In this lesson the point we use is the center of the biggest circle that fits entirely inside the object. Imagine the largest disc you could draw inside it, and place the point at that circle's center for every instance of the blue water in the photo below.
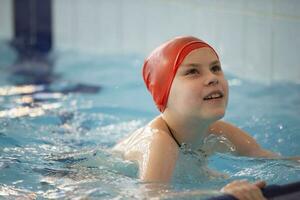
(55, 135)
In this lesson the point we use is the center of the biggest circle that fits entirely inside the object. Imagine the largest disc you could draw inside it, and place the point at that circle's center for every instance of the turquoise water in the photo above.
(55, 138)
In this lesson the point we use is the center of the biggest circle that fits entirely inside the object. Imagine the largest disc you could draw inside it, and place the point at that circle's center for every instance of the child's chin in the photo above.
(221, 116)
(211, 115)
(217, 116)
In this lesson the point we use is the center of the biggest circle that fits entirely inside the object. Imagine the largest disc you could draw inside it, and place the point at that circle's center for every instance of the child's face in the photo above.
(199, 75)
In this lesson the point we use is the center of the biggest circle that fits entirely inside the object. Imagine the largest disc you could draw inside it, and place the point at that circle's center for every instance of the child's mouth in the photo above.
(213, 95)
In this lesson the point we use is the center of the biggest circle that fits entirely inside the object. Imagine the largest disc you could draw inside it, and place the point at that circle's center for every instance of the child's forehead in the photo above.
(199, 65)
(200, 55)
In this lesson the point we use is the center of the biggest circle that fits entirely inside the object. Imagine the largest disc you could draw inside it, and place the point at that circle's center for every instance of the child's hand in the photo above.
(243, 190)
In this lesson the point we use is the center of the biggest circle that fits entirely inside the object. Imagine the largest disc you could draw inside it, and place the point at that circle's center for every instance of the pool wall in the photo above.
(257, 40)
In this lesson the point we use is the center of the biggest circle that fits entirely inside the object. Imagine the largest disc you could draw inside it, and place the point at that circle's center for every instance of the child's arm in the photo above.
(244, 143)
(159, 160)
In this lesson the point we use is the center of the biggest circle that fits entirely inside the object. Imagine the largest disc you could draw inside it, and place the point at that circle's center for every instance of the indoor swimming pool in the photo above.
(58, 123)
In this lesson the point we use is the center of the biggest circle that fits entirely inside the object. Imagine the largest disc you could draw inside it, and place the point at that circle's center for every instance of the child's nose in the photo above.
(211, 80)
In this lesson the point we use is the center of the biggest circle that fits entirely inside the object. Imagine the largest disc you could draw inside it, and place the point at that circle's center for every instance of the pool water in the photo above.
(55, 135)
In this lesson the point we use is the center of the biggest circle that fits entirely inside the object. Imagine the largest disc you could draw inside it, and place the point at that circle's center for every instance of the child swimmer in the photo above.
(188, 86)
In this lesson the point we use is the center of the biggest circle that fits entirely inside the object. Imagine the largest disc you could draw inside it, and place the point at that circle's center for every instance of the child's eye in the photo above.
(216, 68)
(192, 71)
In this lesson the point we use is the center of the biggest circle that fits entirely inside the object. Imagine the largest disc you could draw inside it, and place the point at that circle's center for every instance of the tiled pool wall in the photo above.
(257, 40)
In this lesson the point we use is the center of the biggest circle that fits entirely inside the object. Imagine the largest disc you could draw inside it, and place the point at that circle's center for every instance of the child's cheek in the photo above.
(226, 87)
(193, 95)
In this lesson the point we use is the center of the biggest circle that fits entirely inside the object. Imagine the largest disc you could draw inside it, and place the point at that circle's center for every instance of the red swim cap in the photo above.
(161, 66)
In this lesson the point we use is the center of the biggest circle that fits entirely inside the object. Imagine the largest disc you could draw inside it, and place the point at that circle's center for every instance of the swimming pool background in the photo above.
(254, 38)
(57, 148)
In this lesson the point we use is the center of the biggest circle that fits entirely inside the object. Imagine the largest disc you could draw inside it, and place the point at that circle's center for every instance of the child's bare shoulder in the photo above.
(151, 138)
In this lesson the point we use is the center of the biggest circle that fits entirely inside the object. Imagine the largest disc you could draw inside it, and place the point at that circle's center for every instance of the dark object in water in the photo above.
(275, 192)
(83, 88)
